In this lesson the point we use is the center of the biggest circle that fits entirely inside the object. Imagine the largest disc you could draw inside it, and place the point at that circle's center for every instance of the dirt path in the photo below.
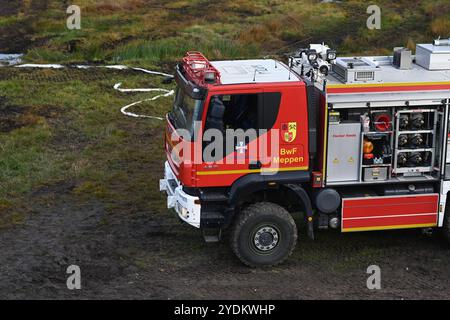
(152, 256)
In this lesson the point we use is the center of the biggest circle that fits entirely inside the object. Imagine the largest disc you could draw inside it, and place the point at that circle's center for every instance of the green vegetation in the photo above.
(66, 128)
(154, 32)
(61, 128)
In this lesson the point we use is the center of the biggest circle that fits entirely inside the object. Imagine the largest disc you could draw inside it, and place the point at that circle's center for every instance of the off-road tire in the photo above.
(256, 217)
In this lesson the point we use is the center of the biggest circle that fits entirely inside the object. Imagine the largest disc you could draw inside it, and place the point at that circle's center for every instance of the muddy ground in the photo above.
(142, 255)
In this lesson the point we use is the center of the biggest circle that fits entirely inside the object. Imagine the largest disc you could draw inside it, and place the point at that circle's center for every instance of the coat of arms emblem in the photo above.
(289, 131)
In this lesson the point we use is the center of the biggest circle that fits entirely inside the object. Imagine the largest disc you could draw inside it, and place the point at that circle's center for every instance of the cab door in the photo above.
(288, 130)
(229, 147)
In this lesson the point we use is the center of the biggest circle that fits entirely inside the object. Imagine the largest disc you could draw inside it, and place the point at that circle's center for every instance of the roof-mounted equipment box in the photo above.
(433, 57)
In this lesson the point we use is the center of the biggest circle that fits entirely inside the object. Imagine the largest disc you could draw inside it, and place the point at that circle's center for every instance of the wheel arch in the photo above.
(253, 183)
(289, 193)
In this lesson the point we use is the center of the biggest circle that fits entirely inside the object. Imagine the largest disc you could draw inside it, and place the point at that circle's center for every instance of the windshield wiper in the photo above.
(184, 116)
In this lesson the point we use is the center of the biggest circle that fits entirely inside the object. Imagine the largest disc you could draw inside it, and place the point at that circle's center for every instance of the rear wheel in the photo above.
(264, 234)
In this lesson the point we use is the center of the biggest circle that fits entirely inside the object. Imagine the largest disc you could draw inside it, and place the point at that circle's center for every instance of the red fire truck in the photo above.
(357, 144)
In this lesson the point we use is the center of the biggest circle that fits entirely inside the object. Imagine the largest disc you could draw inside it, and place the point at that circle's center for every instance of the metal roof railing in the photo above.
(199, 69)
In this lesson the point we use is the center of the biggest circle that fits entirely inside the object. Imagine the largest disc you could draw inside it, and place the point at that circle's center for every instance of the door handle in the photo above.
(255, 165)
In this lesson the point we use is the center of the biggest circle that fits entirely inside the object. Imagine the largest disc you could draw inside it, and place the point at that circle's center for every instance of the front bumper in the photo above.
(185, 205)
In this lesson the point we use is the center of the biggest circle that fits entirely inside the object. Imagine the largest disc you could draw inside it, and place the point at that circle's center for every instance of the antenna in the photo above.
(290, 67)
(254, 75)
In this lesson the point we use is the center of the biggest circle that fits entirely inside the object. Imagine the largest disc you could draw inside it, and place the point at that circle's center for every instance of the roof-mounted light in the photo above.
(331, 55)
(210, 76)
(324, 69)
(312, 56)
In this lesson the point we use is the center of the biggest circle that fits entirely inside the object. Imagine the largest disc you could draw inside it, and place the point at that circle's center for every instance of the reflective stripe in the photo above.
(406, 226)
(205, 173)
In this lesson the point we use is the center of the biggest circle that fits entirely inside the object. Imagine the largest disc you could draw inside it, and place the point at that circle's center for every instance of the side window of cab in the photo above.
(233, 111)
(247, 111)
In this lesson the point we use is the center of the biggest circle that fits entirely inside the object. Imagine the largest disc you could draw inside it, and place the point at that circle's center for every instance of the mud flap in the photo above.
(304, 198)
(310, 226)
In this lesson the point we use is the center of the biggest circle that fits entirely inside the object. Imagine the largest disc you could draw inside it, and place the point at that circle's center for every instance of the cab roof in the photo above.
(253, 71)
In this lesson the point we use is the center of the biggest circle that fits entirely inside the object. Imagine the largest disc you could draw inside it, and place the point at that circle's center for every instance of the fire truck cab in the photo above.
(354, 143)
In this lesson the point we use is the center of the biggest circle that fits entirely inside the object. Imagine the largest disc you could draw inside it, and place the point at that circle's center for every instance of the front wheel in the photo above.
(264, 234)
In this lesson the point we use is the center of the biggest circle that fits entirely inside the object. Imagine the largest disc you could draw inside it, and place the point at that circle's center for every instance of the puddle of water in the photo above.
(10, 59)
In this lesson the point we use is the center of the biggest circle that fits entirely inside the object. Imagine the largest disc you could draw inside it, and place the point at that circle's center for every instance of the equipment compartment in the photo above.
(375, 174)
(415, 141)
(343, 152)
(395, 144)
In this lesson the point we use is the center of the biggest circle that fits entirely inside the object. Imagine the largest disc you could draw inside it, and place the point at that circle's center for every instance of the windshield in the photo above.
(186, 111)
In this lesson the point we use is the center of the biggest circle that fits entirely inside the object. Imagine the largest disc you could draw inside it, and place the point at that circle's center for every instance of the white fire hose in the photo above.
(164, 92)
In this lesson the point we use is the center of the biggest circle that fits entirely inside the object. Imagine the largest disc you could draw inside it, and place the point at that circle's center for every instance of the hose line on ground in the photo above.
(123, 110)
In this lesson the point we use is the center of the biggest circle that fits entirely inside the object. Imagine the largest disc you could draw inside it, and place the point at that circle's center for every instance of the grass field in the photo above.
(63, 129)
(157, 32)
(67, 151)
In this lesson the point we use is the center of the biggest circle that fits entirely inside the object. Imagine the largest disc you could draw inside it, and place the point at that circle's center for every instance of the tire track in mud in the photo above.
(60, 75)
(57, 234)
